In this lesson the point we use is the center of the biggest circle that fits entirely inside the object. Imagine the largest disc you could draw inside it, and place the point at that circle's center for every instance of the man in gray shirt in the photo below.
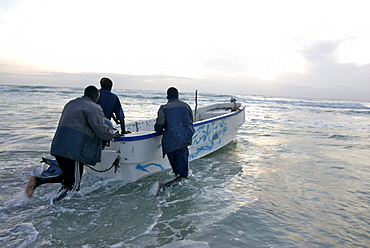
(77, 141)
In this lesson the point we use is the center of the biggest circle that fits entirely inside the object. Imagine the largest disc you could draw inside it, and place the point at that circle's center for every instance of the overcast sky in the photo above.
(293, 48)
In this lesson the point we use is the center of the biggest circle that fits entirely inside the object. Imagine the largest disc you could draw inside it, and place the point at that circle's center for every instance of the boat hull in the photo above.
(140, 153)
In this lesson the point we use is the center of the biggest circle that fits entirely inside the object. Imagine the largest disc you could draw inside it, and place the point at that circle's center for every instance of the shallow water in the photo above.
(297, 175)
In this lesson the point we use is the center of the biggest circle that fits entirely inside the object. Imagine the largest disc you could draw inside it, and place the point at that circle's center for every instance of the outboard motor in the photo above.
(53, 169)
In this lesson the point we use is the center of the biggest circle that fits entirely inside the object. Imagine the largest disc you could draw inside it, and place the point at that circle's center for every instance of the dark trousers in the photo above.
(179, 161)
(71, 177)
(72, 172)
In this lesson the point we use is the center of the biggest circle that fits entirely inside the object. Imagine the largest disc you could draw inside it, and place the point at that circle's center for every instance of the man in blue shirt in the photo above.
(111, 104)
(175, 121)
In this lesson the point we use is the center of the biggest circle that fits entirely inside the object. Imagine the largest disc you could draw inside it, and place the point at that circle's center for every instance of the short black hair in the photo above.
(106, 83)
(91, 91)
(172, 93)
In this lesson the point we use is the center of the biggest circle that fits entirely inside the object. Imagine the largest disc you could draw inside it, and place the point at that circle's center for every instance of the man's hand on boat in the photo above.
(118, 134)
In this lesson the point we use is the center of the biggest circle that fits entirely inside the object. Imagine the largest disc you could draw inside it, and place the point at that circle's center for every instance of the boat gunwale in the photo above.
(196, 124)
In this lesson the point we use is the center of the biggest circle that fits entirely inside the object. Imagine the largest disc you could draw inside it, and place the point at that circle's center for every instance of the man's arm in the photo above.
(123, 127)
(114, 117)
(95, 119)
(160, 121)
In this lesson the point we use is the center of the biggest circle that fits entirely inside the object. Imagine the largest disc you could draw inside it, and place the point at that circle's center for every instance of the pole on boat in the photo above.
(196, 105)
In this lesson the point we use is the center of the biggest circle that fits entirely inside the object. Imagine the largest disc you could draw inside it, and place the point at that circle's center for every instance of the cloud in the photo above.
(121, 81)
(325, 76)
(227, 64)
(9, 5)
(215, 47)
(320, 52)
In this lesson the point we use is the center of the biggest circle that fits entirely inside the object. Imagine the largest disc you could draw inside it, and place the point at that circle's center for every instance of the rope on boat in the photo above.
(114, 164)
(196, 105)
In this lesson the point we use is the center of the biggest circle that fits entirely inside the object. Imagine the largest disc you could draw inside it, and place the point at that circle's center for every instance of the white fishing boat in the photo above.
(139, 153)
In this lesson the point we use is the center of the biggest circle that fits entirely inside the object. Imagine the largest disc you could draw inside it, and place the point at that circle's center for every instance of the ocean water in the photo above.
(296, 175)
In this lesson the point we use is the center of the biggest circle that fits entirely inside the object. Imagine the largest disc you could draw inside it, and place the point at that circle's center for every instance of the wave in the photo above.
(335, 105)
(311, 103)
(39, 88)
(188, 97)
(202, 97)
(340, 137)
(138, 94)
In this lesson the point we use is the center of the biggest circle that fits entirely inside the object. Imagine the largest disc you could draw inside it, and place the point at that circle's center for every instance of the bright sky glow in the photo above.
(254, 44)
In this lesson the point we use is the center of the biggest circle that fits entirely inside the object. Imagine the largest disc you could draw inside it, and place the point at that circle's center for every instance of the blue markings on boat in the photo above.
(143, 167)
